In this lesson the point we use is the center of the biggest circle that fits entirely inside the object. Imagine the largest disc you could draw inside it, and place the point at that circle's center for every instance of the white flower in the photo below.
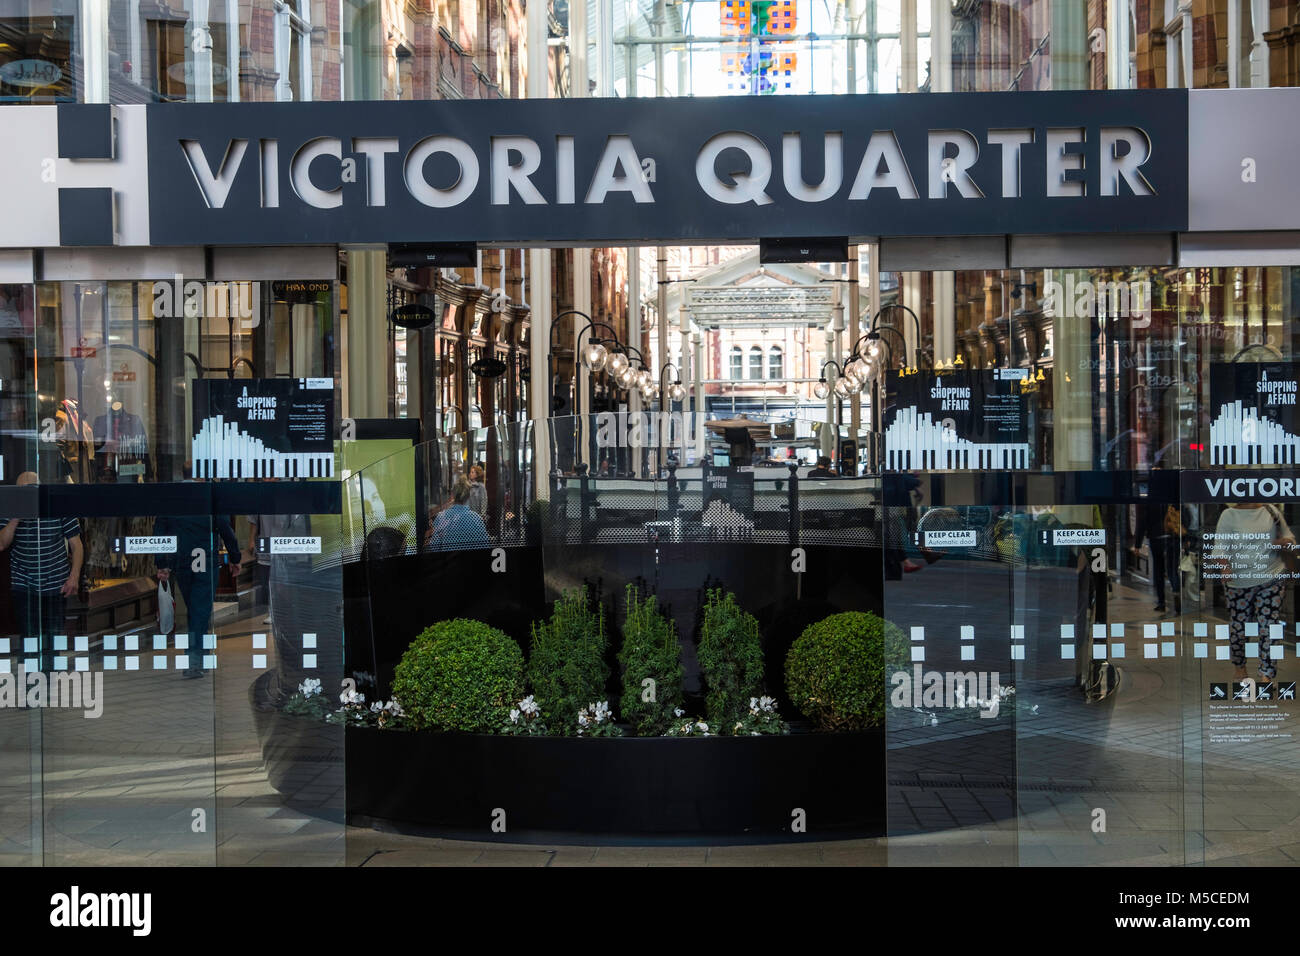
(394, 708)
(310, 687)
(514, 716)
(686, 728)
(753, 703)
(378, 707)
(583, 719)
(738, 726)
(351, 697)
(678, 712)
(528, 706)
(702, 726)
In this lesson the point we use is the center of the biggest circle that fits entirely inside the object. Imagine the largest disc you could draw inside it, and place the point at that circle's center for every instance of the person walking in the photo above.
(1247, 552)
(823, 469)
(193, 569)
(1162, 528)
(478, 498)
(264, 526)
(44, 571)
(457, 527)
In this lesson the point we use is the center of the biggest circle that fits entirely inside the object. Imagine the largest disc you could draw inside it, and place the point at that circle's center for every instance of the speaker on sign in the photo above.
(803, 250)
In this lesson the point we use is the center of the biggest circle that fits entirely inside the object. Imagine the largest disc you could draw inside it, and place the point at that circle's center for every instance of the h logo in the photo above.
(88, 216)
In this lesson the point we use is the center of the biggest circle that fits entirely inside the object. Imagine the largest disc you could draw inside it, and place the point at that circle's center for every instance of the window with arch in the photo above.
(775, 363)
(755, 362)
(737, 362)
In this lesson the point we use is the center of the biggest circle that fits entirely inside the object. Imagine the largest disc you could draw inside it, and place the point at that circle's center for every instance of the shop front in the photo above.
(1075, 408)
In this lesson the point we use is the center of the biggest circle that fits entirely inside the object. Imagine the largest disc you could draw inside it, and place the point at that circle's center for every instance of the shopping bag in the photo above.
(166, 608)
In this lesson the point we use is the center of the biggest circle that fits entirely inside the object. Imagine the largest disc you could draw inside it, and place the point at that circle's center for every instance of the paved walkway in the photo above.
(143, 785)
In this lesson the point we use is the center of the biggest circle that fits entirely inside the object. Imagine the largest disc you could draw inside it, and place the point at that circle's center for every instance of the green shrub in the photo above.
(649, 651)
(567, 668)
(459, 675)
(731, 660)
(835, 672)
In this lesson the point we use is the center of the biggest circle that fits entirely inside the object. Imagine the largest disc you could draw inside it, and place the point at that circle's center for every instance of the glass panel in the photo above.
(39, 44)
(170, 767)
(135, 784)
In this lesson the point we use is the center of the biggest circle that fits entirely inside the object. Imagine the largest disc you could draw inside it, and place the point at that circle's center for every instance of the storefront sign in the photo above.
(263, 428)
(1252, 485)
(565, 172)
(603, 170)
(299, 292)
(488, 367)
(732, 486)
(187, 72)
(1254, 408)
(30, 74)
(956, 421)
(1250, 711)
(413, 316)
(291, 545)
(948, 539)
(1070, 537)
(158, 544)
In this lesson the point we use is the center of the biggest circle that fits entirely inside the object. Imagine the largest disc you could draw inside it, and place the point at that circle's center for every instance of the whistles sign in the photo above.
(610, 170)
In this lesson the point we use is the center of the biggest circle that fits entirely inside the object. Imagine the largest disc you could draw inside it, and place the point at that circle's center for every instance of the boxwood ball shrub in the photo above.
(835, 672)
(459, 675)
(731, 659)
(566, 666)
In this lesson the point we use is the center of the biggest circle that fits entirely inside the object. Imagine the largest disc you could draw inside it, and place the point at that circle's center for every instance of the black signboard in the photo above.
(848, 456)
(731, 485)
(596, 171)
(488, 367)
(300, 292)
(263, 428)
(413, 316)
(1253, 405)
(958, 421)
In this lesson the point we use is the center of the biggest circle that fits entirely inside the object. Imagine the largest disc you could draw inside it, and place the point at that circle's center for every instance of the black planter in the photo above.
(303, 757)
(729, 789)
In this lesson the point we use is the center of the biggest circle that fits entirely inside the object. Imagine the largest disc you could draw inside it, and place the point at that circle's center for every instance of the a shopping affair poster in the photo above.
(263, 428)
(958, 420)
(1254, 413)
